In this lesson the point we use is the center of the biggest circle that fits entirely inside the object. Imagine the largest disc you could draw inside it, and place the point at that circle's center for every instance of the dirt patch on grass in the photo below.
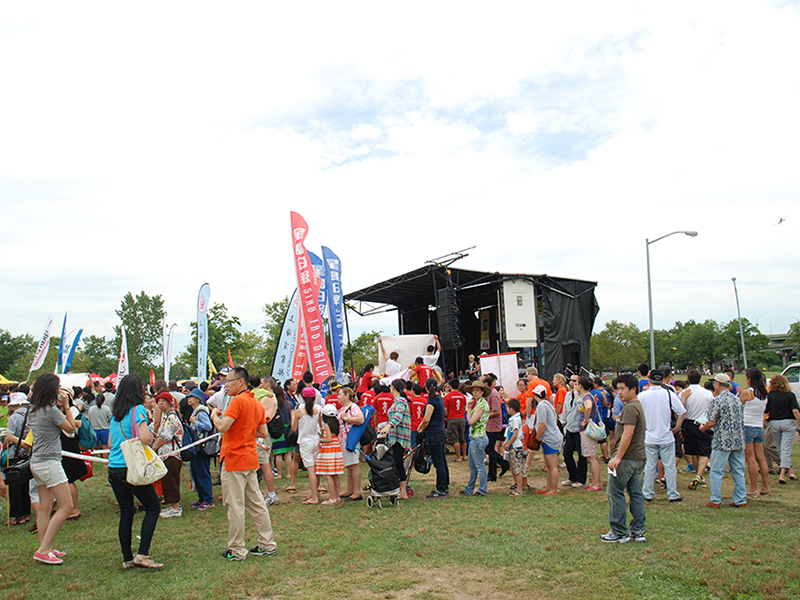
(403, 583)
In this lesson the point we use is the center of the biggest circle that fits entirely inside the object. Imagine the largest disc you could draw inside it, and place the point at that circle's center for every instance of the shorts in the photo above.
(263, 453)
(548, 450)
(308, 453)
(102, 437)
(49, 473)
(517, 459)
(349, 458)
(753, 435)
(695, 442)
(33, 491)
(457, 431)
(610, 424)
(588, 445)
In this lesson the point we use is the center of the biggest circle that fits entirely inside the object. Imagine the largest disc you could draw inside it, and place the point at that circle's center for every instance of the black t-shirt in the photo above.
(780, 406)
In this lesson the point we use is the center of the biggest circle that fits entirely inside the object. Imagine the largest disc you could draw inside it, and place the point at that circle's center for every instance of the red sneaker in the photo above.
(48, 559)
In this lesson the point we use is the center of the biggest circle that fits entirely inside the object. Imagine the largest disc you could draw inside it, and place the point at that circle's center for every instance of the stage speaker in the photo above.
(449, 318)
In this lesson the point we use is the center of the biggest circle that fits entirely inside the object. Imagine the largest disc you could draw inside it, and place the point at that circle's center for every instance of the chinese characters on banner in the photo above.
(308, 285)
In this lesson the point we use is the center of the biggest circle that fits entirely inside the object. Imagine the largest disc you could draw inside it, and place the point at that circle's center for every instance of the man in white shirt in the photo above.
(432, 357)
(659, 402)
(696, 443)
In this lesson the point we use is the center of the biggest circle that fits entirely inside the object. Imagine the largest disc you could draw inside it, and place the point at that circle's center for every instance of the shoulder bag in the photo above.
(144, 465)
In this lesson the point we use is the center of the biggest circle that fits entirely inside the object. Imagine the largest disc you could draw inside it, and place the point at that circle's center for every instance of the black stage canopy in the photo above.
(454, 304)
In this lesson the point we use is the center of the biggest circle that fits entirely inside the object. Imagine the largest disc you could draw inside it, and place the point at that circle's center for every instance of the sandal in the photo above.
(515, 493)
(291, 489)
(127, 564)
(308, 501)
(594, 488)
(322, 490)
(331, 501)
(353, 498)
(147, 563)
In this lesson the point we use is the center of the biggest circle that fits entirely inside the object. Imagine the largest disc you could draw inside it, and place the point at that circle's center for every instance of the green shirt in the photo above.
(479, 429)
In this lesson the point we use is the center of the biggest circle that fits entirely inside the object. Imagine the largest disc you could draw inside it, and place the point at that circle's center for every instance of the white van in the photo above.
(792, 373)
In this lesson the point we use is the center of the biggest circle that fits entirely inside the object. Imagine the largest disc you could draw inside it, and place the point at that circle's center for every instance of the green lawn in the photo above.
(496, 547)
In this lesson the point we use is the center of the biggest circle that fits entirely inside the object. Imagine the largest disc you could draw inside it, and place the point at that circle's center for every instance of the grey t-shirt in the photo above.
(46, 426)
(99, 417)
(545, 413)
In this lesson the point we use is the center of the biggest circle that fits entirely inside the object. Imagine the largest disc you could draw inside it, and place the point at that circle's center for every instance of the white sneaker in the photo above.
(171, 512)
(269, 499)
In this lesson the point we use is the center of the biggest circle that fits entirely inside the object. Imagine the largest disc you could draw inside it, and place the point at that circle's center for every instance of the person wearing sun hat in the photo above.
(477, 416)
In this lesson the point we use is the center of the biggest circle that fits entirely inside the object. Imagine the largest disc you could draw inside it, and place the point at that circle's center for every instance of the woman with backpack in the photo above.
(168, 438)
(200, 465)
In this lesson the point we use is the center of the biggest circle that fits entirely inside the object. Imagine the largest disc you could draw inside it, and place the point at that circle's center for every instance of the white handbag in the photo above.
(144, 465)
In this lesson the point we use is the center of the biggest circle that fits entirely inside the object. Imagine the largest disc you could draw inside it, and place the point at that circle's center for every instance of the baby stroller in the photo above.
(383, 480)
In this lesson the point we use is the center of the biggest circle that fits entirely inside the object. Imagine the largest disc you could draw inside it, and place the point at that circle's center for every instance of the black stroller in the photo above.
(383, 480)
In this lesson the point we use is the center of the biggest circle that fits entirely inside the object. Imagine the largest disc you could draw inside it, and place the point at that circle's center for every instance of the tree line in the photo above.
(620, 347)
(143, 315)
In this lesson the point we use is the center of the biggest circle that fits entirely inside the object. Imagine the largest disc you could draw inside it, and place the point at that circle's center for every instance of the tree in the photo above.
(793, 337)
(698, 343)
(13, 348)
(362, 350)
(19, 370)
(142, 317)
(616, 347)
(730, 339)
(251, 353)
(274, 314)
(223, 335)
(96, 355)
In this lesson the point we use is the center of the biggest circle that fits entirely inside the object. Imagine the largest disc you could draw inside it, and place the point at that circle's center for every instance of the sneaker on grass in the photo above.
(259, 551)
(229, 555)
(614, 538)
(638, 537)
(171, 512)
(49, 559)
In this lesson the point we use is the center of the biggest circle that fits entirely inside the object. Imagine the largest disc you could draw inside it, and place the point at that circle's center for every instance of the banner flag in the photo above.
(333, 279)
(230, 360)
(308, 284)
(122, 368)
(211, 368)
(152, 378)
(287, 342)
(70, 346)
(203, 298)
(44, 345)
(300, 360)
(319, 267)
(59, 365)
(167, 344)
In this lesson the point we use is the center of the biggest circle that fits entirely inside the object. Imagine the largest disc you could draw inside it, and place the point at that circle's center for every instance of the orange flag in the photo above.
(230, 360)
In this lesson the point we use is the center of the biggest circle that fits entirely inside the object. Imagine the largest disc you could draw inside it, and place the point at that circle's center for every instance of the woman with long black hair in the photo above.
(435, 435)
(50, 415)
(755, 401)
(130, 420)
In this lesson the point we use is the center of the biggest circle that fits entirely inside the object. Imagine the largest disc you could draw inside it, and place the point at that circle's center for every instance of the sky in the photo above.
(154, 147)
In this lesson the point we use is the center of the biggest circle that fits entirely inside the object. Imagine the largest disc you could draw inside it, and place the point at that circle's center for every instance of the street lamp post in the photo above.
(741, 329)
(650, 292)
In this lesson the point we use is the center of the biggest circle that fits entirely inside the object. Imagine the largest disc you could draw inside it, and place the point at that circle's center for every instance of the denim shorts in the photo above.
(753, 435)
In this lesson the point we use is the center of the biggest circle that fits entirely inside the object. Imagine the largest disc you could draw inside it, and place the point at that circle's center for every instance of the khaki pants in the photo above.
(240, 492)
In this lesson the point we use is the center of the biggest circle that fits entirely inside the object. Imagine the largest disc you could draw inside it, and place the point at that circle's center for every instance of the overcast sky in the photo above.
(157, 146)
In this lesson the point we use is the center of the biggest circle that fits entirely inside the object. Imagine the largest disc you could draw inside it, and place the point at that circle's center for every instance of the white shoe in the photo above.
(171, 512)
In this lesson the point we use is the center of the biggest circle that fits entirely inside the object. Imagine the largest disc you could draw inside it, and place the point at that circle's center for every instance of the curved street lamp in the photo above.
(650, 292)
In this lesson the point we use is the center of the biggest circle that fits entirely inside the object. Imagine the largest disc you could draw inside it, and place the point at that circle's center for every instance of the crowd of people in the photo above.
(253, 427)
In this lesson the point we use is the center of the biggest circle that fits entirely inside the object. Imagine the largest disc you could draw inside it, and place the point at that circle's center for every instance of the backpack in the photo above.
(87, 438)
(421, 463)
(211, 447)
(189, 437)
(275, 426)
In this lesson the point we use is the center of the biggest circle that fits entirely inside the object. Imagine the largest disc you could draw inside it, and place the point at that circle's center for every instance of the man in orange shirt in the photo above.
(534, 380)
(560, 383)
(244, 420)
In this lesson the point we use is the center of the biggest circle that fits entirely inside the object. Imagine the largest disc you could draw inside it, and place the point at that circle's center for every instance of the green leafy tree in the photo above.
(730, 339)
(95, 354)
(618, 346)
(223, 335)
(362, 350)
(698, 343)
(142, 317)
(13, 348)
(19, 370)
(793, 337)
(274, 314)
(251, 353)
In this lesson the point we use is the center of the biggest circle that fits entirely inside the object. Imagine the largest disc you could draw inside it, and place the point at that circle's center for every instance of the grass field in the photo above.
(494, 547)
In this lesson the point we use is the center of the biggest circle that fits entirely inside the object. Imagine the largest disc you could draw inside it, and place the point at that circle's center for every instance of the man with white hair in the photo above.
(726, 414)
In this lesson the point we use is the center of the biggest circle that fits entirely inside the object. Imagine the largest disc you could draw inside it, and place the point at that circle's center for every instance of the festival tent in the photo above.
(547, 320)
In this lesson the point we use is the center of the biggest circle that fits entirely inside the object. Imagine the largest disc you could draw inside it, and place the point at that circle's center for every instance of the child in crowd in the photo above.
(329, 461)
(515, 448)
(306, 422)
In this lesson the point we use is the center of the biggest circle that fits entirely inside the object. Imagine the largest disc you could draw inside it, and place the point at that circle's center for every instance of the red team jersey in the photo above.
(423, 372)
(382, 403)
(417, 405)
(455, 404)
(366, 398)
(333, 398)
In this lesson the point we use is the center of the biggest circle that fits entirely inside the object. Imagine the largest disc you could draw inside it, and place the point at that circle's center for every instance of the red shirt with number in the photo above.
(417, 406)
(366, 398)
(382, 403)
(423, 372)
(455, 403)
(333, 398)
